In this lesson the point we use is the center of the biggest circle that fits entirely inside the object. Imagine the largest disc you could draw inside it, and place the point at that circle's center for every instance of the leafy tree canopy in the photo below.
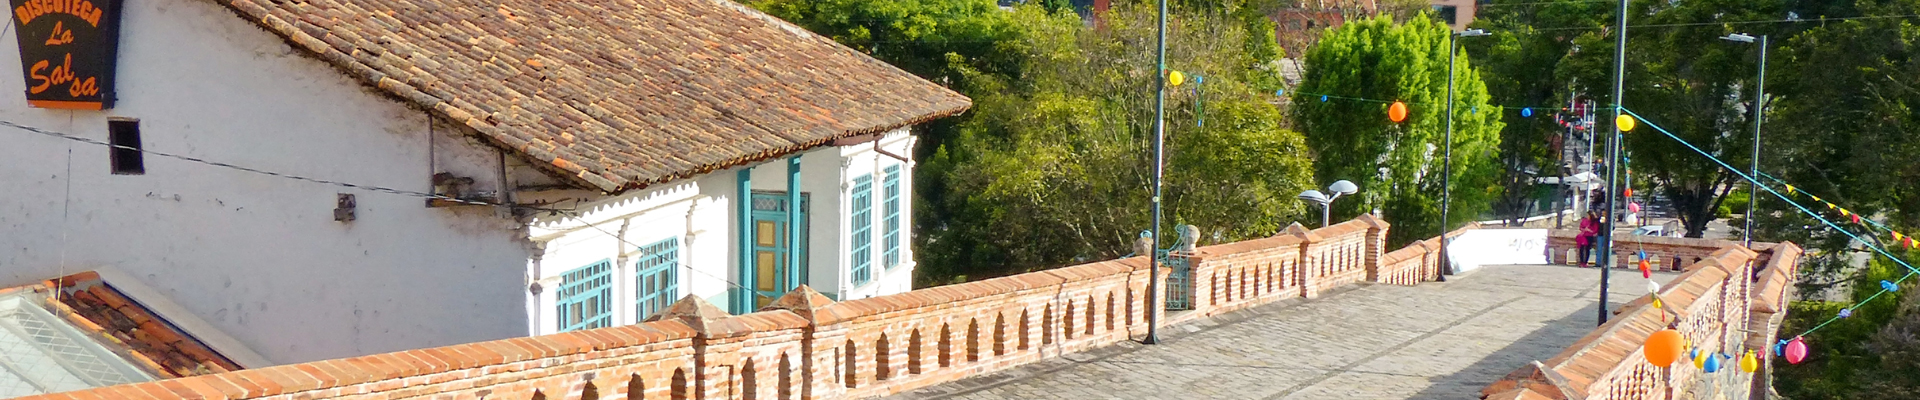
(1398, 165)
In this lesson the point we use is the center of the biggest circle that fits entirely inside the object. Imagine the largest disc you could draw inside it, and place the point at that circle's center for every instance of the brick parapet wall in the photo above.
(805, 346)
(1663, 253)
(1716, 303)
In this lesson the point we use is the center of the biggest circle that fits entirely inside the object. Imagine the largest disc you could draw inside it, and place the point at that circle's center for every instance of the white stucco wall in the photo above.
(701, 211)
(258, 257)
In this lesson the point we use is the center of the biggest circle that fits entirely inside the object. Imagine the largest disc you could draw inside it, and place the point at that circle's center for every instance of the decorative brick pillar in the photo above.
(1376, 244)
(716, 346)
(819, 343)
(1310, 260)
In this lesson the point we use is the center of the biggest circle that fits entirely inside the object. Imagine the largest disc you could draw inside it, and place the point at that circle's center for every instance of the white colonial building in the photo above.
(416, 173)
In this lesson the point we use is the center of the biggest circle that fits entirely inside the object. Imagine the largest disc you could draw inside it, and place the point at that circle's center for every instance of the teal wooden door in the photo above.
(772, 276)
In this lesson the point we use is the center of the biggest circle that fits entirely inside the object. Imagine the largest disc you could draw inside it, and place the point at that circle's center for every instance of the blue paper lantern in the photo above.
(1474, 110)
(1643, 254)
(1323, 98)
(1713, 364)
(1846, 312)
(1889, 286)
(1526, 112)
(1280, 93)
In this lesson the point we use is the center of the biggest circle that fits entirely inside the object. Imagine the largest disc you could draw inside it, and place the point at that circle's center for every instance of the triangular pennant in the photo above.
(1897, 236)
(1789, 189)
(1844, 211)
(1856, 218)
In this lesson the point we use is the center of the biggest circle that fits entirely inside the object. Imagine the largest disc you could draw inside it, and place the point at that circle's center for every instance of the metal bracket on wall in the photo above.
(343, 209)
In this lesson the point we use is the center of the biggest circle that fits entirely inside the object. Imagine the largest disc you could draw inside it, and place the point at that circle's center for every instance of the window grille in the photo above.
(657, 282)
(585, 298)
(862, 229)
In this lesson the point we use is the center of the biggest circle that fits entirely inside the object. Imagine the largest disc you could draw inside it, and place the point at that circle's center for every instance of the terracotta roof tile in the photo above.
(150, 339)
(617, 94)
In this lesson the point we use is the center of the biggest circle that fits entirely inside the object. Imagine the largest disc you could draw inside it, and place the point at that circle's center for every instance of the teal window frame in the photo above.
(656, 279)
(890, 217)
(862, 234)
(585, 297)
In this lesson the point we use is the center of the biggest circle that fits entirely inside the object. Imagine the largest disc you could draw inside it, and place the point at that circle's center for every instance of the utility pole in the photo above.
(1613, 159)
(1759, 97)
(1159, 172)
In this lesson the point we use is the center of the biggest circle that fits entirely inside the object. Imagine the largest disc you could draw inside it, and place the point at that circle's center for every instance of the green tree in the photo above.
(1398, 165)
(1054, 164)
(1518, 62)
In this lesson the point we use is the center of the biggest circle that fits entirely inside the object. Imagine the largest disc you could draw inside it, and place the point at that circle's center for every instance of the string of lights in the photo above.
(1886, 286)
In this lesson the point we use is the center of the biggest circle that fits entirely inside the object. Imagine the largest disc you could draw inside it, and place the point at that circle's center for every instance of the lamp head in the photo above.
(1738, 37)
(1314, 196)
(1472, 33)
(1344, 187)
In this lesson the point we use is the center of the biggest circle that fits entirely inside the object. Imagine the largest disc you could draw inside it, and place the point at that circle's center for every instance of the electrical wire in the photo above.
(1911, 271)
(371, 188)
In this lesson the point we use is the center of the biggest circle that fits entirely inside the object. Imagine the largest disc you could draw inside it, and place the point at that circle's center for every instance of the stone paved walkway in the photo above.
(1432, 341)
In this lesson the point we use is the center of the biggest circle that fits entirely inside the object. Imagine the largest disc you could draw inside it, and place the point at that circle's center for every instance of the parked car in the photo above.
(1656, 230)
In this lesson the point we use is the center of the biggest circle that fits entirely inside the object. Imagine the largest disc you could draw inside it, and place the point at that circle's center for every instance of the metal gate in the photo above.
(1179, 281)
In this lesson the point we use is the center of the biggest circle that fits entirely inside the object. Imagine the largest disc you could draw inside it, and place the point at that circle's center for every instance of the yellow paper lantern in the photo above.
(1175, 78)
(1699, 359)
(1624, 122)
(1748, 362)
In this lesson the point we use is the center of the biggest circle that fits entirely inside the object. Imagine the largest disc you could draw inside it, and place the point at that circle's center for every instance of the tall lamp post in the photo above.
(1446, 174)
(1339, 188)
(1613, 157)
(1759, 97)
(1159, 164)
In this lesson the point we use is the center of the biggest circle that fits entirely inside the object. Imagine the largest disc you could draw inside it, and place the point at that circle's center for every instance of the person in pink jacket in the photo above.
(1589, 227)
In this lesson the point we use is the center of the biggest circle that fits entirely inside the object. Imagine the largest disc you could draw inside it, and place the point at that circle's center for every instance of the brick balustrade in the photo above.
(805, 346)
(1664, 253)
(1719, 302)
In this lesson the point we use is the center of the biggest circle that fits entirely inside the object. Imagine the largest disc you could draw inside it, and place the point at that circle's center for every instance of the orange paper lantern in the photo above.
(1397, 112)
(1663, 348)
(1629, 192)
(1646, 269)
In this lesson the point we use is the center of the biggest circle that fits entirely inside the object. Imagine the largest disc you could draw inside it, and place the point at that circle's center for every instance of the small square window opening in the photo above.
(125, 154)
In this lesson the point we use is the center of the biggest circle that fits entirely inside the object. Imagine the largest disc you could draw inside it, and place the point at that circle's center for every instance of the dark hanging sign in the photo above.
(67, 50)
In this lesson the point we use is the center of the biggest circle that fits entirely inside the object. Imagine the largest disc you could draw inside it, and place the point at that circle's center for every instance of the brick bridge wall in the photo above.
(1729, 300)
(1664, 253)
(805, 346)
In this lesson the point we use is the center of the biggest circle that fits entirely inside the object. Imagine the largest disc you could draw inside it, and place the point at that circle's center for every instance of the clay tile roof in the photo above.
(616, 94)
(141, 338)
(149, 339)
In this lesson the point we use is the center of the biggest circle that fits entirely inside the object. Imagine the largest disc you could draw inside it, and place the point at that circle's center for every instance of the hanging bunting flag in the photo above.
(1889, 286)
(1789, 189)
(1856, 217)
(1897, 236)
(1199, 102)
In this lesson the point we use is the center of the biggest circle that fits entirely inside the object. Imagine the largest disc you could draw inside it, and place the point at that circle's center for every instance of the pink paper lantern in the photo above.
(1796, 351)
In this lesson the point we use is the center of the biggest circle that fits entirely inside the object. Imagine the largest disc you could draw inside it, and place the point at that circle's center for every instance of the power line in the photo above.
(372, 188)
(1769, 21)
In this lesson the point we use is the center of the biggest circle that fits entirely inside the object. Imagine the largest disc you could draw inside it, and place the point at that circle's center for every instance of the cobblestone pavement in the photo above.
(1432, 341)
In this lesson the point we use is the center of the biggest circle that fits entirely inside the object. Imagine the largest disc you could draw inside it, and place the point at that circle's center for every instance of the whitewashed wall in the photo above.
(701, 211)
(258, 257)
(862, 160)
